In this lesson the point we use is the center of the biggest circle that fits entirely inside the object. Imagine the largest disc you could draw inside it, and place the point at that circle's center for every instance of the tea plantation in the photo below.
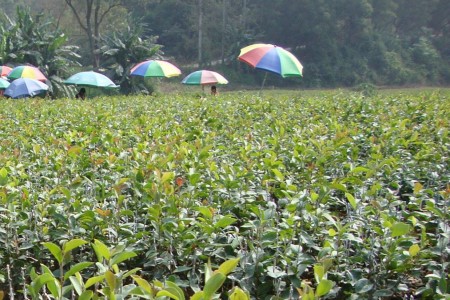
(327, 195)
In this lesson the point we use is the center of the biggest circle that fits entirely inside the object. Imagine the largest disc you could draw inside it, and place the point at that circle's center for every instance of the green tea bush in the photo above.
(330, 195)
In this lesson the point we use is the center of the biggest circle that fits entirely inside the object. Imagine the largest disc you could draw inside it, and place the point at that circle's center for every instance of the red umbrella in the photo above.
(4, 71)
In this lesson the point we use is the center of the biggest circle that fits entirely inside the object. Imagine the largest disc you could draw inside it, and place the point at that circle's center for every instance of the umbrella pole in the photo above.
(264, 81)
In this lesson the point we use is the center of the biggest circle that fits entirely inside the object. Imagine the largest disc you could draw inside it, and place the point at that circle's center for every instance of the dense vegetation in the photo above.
(340, 43)
(335, 195)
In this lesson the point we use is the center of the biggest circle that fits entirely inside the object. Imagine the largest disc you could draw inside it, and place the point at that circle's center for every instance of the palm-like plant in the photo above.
(122, 50)
(35, 41)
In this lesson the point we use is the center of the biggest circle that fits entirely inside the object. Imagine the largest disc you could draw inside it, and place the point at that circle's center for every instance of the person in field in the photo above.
(214, 91)
(81, 94)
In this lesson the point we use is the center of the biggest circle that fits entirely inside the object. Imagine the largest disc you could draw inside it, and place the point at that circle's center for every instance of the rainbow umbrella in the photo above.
(4, 71)
(3, 84)
(25, 87)
(271, 58)
(155, 68)
(26, 72)
(203, 77)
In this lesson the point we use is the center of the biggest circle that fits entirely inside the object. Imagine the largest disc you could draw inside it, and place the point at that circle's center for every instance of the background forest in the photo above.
(339, 42)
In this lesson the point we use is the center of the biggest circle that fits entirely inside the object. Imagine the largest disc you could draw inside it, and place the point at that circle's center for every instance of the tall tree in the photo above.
(34, 40)
(200, 32)
(90, 15)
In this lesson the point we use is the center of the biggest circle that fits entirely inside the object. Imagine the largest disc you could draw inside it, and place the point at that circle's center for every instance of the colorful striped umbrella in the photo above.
(26, 72)
(271, 58)
(3, 84)
(4, 71)
(155, 68)
(203, 77)
(25, 87)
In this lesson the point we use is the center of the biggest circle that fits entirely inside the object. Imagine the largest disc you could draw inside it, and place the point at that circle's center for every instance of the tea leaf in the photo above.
(174, 290)
(93, 280)
(54, 287)
(363, 286)
(41, 280)
(351, 200)
(228, 266)
(167, 177)
(55, 251)
(101, 250)
(238, 294)
(165, 293)
(194, 178)
(74, 151)
(324, 287)
(399, 229)
(319, 272)
(224, 222)
(278, 174)
(86, 295)
(414, 250)
(110, 279)
(117, 259)
(205, 211)
(77, 285)
(143, 284)
(72, 244)
(77, 268)
(417, 187)
(213, 284)
(198, 296)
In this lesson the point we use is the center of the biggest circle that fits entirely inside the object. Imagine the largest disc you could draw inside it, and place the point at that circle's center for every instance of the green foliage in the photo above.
(34, 40)
(124, 49)
(328, 195)
(367, 89)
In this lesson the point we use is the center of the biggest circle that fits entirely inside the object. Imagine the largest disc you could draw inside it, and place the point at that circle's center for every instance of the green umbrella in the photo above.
(90, 79)
(3, 84)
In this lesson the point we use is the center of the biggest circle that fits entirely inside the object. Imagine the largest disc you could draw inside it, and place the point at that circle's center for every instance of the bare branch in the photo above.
(110, 7)
(77, 16)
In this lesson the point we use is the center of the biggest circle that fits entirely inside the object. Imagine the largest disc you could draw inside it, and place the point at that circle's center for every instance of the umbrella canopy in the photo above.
(90, 78)
(155, 68)
(203, 77)
(25, 87)
(4, 71)
(26, 72)
(271, 58)
(3, 84)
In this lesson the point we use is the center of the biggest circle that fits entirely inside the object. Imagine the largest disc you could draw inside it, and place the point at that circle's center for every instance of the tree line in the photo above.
(339, 42)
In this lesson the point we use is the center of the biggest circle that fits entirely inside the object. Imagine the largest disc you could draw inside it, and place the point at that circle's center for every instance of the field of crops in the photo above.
(330, 195)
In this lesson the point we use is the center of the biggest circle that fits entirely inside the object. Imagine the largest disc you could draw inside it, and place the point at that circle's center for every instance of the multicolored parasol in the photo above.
(155, 68)
(26, 72)
(203, 77)
(271, 58)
